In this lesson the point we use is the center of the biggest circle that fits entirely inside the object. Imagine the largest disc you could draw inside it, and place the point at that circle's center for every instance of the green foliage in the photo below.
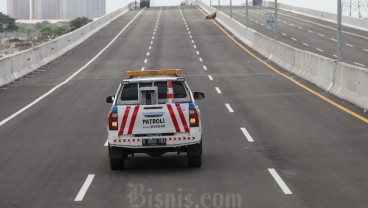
(47, 31)
(79, 22)
(7, 23)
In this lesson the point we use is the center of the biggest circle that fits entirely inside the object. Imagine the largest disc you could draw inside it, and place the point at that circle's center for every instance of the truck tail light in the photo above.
(113, 120)
(193, 117)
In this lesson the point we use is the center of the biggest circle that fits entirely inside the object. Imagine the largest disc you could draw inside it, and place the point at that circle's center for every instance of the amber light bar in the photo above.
(153, 72)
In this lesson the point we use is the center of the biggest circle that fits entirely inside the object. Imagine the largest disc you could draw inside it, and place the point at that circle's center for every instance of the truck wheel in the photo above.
(195, 161)
(116, 164)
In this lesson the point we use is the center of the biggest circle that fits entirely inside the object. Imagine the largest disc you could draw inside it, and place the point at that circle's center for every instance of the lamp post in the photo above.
(246, 13)
(231, 9)
(338, 46)
(276, 19)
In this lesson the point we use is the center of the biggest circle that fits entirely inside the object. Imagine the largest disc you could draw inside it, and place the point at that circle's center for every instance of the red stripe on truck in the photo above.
(173, 118)
(131, 126)
(182, 118)
(125, 118)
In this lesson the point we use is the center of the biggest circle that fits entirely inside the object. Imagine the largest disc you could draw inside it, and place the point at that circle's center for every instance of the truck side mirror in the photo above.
(198, 95)
(110, 99)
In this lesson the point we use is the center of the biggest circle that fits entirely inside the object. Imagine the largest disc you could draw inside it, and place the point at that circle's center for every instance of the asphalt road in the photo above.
(307, 33)
(300, 152)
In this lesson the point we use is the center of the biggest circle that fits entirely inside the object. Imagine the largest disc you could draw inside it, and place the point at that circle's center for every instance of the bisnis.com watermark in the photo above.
(140, 197)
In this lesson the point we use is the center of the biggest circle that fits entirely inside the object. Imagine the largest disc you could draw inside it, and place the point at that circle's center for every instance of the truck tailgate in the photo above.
(153, 119)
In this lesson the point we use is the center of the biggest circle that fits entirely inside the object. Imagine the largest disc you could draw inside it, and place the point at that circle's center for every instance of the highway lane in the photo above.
(308, 33)
(318, 150)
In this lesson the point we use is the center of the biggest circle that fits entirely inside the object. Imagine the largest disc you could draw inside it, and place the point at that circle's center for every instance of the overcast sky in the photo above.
(324, 5)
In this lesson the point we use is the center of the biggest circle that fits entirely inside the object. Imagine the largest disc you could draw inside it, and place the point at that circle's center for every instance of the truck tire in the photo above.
(195, 161)
(116, 164)
(195, 155)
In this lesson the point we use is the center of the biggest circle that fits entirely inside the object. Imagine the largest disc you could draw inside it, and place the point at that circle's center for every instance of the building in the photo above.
(71, 9)
(46, 9)
(19, 9)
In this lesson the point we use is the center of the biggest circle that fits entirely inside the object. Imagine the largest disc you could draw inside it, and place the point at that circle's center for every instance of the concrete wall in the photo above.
(343, 80)
(17, 65)
(330, 17)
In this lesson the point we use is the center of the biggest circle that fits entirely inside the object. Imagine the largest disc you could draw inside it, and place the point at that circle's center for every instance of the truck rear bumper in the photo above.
(171, 141)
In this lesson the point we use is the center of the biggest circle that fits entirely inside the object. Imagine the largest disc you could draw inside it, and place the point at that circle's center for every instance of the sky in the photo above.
(326, 5)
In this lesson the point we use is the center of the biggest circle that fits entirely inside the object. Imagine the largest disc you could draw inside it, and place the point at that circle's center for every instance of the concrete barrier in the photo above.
(343, 80)
(351, 84)
(17, 65)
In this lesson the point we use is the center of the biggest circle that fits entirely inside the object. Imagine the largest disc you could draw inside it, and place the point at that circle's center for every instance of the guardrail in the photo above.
(20, 64)
(346, 81)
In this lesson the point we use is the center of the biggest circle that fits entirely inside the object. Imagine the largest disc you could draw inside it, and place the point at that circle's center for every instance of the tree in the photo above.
(47, 31)
(7, 23)
(79, 22)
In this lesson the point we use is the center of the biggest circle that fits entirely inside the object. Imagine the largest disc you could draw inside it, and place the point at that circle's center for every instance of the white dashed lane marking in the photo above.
(148, 53)
(319, 50)
(310, 31)
(283, 34)
(205, 68)
(279, 181)
(362, 65)
(246, 134)
(229, 108)
(349, 45)
(322, 35)
(197, 52)
(200, 59)
(305, 44)
(293, 39)
(365, 49)
(333, 39)
(84, 188)
(194, 46)
(145, 60)
(142, 69)
(218, 90)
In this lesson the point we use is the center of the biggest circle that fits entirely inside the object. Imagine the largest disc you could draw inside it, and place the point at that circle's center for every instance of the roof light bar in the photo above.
(153, 72)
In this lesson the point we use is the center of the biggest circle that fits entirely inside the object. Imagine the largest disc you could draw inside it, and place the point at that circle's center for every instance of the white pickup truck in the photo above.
(154, 112)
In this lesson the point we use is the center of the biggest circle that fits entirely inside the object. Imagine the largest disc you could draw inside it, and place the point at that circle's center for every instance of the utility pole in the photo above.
(338, 48)
(246, 13)
(276, 19)
(219, 5)
(231, 9)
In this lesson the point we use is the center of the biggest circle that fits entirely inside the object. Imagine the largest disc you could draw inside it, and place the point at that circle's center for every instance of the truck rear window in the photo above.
(129, 92)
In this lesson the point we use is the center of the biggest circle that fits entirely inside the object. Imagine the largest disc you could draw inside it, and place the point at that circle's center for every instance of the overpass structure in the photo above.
(271, 139)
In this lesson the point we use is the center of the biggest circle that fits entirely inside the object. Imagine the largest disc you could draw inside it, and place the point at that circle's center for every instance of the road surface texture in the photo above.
(267, 141)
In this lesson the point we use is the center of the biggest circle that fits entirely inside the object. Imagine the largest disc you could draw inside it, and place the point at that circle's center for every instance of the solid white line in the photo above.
(279, 181)
(305, 44)
(333, 39)
(194, 46)
(365, 49)
(349, 45)
(229, 108)
(283, 34)
(197, 52)
(310, 31)
(293, 39)
(210, 77)
(218, 90)
(319, 50)
(71, 77)
(247, 135)
(84, 188)
(142, 69)
(145, 60)
(359, 64)
(205, 68)
(322, 35)
(107, 141)
(200, 59)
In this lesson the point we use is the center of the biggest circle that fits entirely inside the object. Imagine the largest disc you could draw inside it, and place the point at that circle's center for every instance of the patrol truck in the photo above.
(154, 112)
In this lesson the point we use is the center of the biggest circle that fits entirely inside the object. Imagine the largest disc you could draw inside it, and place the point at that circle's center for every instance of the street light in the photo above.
(276, 19)
(338, 48)
(246, 13)
(231, 9)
